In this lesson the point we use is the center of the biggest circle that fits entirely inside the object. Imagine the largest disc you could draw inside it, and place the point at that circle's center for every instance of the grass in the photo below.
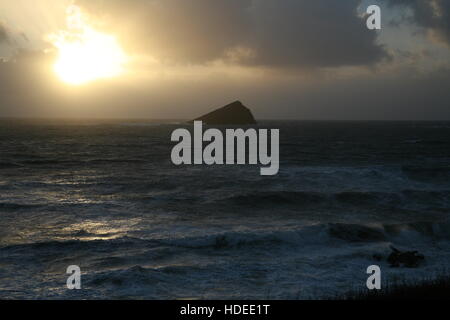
(428, 289)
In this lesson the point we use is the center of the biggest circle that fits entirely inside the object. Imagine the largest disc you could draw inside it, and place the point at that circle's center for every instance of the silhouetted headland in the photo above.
(234, 114)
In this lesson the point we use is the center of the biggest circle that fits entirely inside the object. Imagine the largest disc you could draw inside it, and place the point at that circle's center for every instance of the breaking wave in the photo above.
(405, 198)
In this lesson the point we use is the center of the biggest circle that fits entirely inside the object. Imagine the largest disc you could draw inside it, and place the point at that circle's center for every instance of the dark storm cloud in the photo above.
(312, 33)
(3, 33)
(180, 31)
(24, 83)
(304, 33)
(430, 14)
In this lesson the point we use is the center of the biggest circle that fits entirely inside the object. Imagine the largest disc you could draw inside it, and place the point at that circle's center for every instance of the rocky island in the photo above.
(232, 114)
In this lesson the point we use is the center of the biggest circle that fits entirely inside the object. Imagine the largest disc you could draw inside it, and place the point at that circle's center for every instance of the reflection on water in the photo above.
(97, 230)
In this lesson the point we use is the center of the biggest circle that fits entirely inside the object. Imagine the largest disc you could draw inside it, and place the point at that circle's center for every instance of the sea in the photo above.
(104, 195)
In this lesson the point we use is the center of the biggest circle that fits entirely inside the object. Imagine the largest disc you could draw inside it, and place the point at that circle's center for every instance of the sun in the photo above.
(85, 54)
(93, 56)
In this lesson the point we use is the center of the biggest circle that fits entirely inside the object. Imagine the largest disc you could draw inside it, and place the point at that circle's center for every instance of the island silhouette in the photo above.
(234, 113)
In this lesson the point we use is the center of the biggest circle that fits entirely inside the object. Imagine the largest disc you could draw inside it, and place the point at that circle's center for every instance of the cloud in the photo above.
(4, 37)
(270, 33)
(26, 90)
(176, 31)
(297, 39)
(401, 95)
(313, 33)
(433, 15)
(24, 83)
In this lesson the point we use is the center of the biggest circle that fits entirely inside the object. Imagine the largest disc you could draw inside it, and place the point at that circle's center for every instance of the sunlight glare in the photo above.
(85, 54)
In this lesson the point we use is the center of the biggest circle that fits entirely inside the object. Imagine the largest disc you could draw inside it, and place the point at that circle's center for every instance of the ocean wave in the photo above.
(314, 235)
(277, 198)
(77, 162)
(393, 174)
(366, 198)
(167, 282)
(320, 234)
(406, 233)
(13, 206)
(46, 162)
(356, 232)
(138, 275)
(317, 234)
(407, 198)
(9, 165)
(74, 245)
(433, 173)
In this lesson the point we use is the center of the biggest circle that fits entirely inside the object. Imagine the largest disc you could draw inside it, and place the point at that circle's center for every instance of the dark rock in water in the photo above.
(409, 259)
(234, 113)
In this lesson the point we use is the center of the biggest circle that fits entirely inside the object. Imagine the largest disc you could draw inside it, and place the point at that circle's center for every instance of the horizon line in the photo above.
(188, 120)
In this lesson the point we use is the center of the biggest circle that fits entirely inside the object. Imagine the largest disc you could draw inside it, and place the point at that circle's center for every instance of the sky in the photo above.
(178, 59)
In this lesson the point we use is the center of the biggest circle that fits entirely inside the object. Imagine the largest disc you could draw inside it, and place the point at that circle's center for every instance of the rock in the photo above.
(234, 114)
(409, 259)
